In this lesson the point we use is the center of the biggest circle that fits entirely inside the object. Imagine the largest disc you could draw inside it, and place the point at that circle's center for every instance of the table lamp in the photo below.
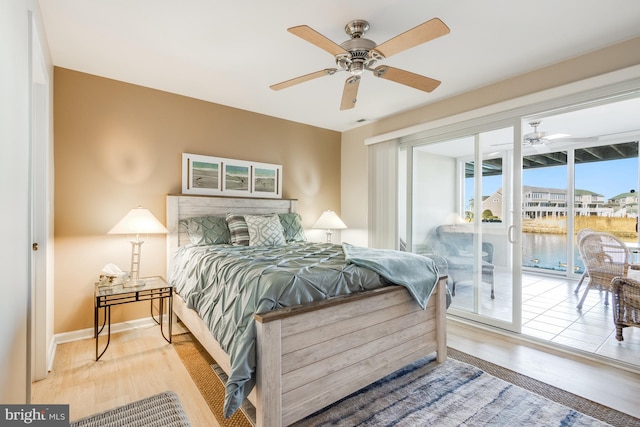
(330, 221)
(454, 219)
(138, 221)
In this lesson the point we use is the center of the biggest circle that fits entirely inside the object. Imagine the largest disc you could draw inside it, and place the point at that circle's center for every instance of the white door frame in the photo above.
(40, 152)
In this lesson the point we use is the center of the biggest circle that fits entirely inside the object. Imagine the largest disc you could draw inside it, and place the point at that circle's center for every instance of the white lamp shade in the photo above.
(139, 221)
(329, 220)
(454, 219)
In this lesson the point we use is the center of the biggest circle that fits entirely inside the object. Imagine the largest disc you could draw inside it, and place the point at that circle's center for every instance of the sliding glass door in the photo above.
(498, 201)
(461, 214)
(545, 204)
(581, 173)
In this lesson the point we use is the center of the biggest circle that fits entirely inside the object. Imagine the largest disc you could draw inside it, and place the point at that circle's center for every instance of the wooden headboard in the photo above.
(181, 207)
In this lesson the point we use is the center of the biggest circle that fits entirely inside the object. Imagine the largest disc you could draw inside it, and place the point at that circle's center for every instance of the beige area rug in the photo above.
(198, 363)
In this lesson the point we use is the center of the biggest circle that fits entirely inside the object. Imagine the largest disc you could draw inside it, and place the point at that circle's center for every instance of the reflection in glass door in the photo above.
(462, 214)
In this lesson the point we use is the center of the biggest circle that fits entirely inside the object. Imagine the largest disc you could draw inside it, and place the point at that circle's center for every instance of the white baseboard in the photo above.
(83, 334)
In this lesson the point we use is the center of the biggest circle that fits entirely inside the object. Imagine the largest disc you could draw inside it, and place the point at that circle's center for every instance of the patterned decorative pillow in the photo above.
(238, 229)
(207, 230)
(265, 230)
(292, 226)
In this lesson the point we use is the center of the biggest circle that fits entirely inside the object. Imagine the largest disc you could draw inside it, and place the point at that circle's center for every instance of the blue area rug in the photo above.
(449, 394)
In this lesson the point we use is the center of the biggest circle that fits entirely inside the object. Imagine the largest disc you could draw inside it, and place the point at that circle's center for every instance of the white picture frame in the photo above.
(236, 179)
(266, 180)
(208, 175)
(201, 174)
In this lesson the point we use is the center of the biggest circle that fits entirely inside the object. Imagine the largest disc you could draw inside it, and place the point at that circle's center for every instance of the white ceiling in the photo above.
(230, 52)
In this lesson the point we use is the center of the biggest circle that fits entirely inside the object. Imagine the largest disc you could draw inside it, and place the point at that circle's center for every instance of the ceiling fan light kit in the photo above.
(535, 137)
(359, 54)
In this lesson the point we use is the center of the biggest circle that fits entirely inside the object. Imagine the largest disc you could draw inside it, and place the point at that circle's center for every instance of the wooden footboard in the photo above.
(310, 356)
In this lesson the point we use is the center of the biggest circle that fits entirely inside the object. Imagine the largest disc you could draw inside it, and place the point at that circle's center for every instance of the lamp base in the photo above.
(329, 232)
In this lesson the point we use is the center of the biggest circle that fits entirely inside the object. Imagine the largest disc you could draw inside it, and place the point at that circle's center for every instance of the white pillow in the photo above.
(265, 230)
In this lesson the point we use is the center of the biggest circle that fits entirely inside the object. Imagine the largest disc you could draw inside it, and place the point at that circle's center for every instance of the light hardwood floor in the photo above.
(140, 363)
(592, 379)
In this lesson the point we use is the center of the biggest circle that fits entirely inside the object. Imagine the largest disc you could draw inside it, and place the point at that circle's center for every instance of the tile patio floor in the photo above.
(549, 313)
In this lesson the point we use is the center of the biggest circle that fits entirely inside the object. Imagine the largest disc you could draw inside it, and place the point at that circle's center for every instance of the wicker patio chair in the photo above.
(605, 257)
(579, 235)
(626, 303)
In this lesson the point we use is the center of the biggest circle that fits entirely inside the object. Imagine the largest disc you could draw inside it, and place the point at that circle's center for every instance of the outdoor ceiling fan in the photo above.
(540, 137)
(540, 141)
(359, 54)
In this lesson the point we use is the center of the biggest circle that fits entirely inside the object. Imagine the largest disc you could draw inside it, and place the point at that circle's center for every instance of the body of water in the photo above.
(548, 251)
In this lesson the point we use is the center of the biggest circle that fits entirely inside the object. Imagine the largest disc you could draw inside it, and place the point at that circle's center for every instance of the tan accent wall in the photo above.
(119, 145)
(355, 169)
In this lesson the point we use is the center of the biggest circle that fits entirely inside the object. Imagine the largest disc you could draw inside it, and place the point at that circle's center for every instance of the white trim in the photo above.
(41, 329)
(591, 83)
(51, 353)
(545, 345)
(83, 334)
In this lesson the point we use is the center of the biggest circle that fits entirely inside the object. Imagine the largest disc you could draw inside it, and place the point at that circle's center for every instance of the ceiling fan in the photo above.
(359, 54)
(540, 137)
(540, 141)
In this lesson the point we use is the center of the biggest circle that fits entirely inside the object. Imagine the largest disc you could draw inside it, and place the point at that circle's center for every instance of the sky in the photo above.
(608, 178)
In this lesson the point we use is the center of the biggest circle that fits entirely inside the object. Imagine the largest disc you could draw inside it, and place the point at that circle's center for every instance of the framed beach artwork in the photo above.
(208, 175)
(201, 174)
(267, 180)
(236, 180)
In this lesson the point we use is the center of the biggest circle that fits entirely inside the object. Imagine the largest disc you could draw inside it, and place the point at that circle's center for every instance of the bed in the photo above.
(303, 360)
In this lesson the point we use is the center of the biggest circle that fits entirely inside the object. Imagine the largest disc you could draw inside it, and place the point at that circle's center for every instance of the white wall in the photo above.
(15, 244)
(434, 193)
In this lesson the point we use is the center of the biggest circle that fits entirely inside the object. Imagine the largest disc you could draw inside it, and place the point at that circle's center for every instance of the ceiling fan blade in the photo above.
(558, 140)
(407, 78)
(305, 78)
(557, 136)
(424, 32)
(350, 93)
(565, 137)
(312, 36)
(570, 139)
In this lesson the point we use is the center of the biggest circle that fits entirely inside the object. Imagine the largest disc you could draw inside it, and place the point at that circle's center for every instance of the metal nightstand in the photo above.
(154, 288)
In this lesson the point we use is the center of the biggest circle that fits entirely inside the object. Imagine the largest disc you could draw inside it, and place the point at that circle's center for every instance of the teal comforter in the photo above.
(226, 285)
